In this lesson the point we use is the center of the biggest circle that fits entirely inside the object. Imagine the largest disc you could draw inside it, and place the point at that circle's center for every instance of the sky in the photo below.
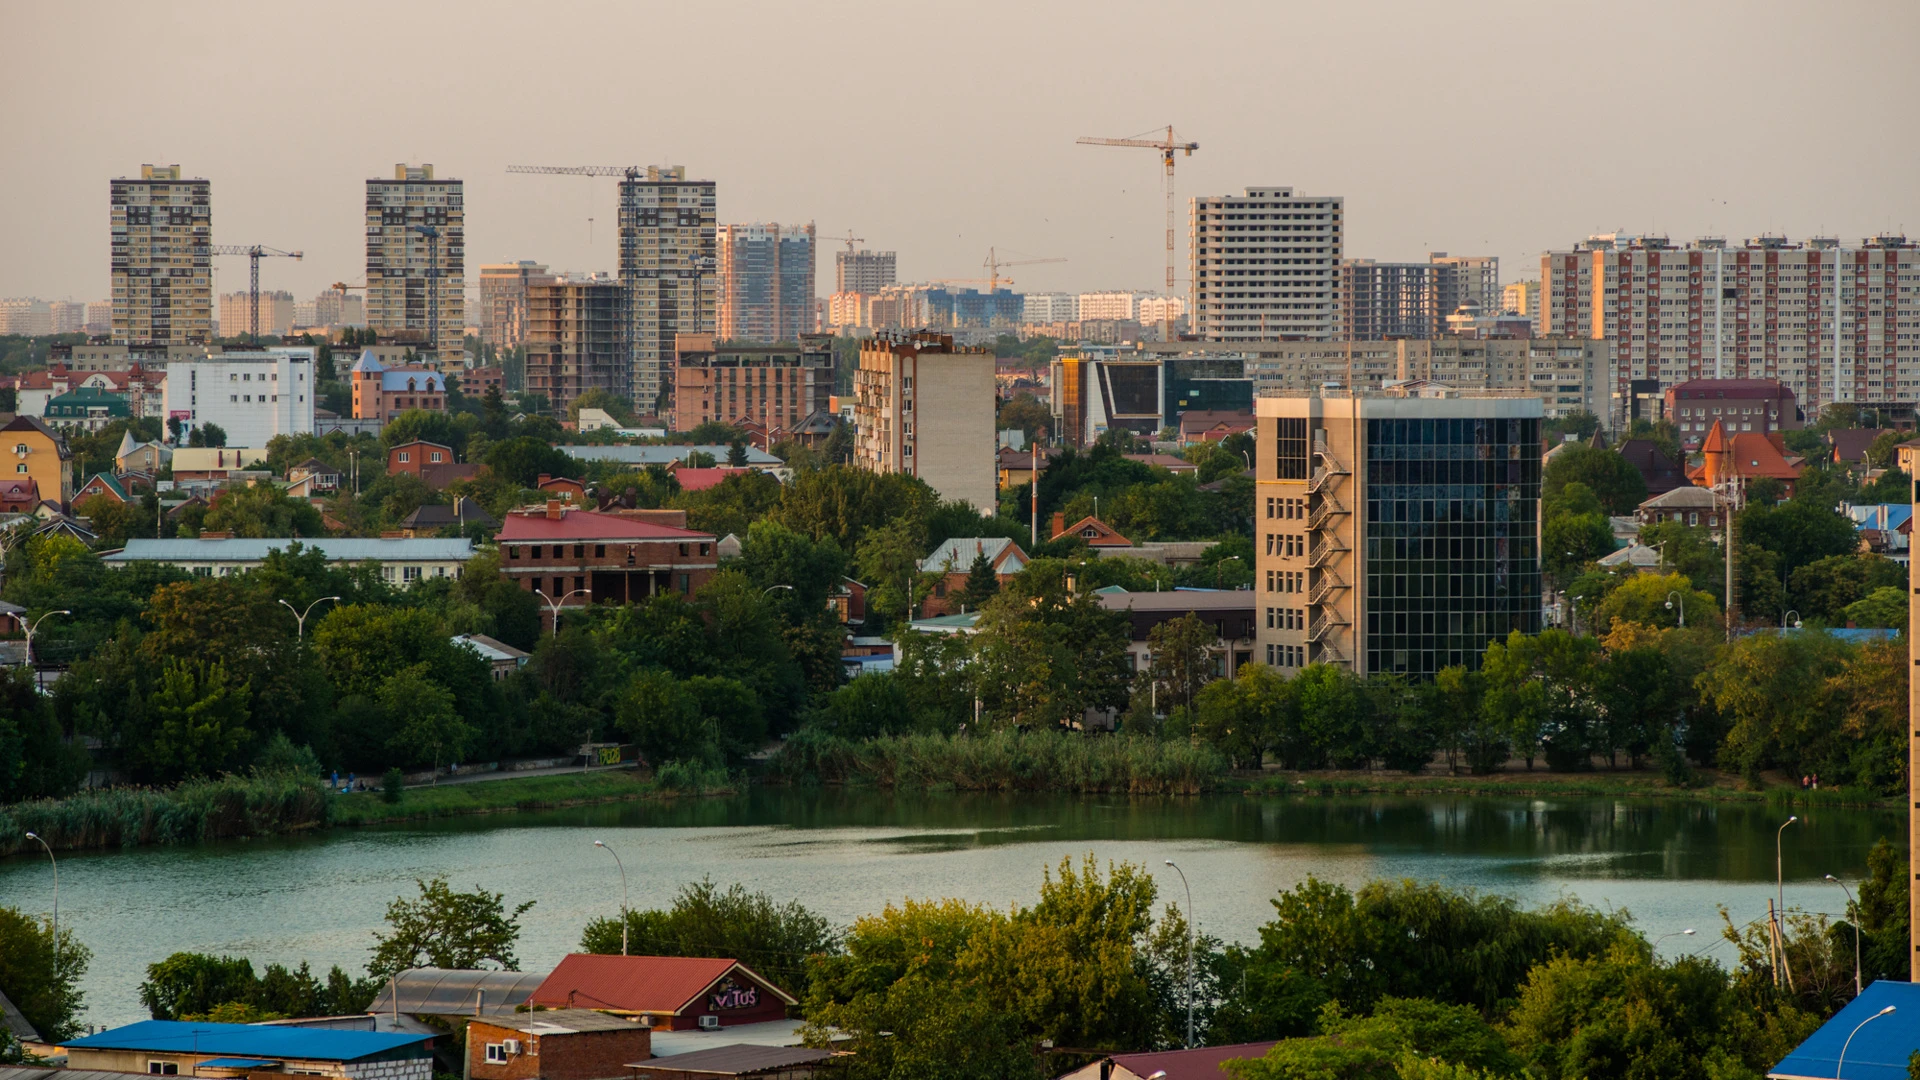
(941, 130)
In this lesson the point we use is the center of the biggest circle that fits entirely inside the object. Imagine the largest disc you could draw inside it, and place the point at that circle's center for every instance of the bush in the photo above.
(392, 785)
(1004, 761)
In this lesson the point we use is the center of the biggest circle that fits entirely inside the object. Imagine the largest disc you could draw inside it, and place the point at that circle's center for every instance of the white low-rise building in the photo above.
(252, 396)
(402, 561)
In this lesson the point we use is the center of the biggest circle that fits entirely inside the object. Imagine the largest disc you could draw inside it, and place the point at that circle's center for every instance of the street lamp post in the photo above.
(1779, 879)
(1853, 916)
(601, 844)
(56, 898)
(35, 625)
(769, 590)
(1795, 614)
(1842, 1063)
(1689, 932)
(555, 605)
(1683, 607)
(1189, 888)
(301, 616)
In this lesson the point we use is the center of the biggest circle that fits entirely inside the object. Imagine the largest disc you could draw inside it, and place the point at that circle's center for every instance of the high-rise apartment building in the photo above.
(576, 339)
(416, 261)
(26, 316)
(667, 263)
(1383, 301)
(1761, 310)
(99, 317)
(236, 308)
(775, 386)
(1522, 298)
(337, 307)
(503, 300)
(1465, 279)
(924, 407)
(1115, 306)
(67, 316)
(1265, 266)
(162, 229)
(765, 287)
(1398, 530)
(862, 271)
(1050, 307)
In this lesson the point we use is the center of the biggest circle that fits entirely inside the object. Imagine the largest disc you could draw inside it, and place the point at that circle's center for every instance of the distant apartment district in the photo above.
(1361, 381)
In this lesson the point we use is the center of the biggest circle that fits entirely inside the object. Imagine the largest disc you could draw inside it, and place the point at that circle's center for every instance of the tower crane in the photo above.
(1168, 147)
(627, 172)
(993, 265)
(850, 240)
(254, 253)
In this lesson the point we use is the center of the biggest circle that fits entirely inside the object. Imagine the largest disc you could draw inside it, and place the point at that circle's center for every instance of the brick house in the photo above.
(1097, 533)
(953, 561)
(432, 462)
(382, 393)
(674, 992)
(559, 550)
(561, 1044)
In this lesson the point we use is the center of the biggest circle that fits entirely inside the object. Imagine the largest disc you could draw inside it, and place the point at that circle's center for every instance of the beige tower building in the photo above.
(416, 262)
(162, 226)
(503, 300)
(924, 407)
(1265, 266)
(667, 263)
(575, 338)
(1398, 529)
(765, 287)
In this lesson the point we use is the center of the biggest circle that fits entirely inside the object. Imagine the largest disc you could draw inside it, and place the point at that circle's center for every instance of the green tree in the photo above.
(1823, 589)
(1656, 600)
(888, 559)
(1182, 654)
(447, 929)
(1612, 478)
(187, 984)
(1769, 689)
(36, 761)
(1024, 413)
(777, 940)
(870, 706)
(521, 461)
(1404, 1038)
(422, 716)
(40, 975)
(1242, 715)
(1620, 1014)
(737, 454)
(981, 586)
(662, 717)
(1884, 607)
(263, 511)
(198, 723)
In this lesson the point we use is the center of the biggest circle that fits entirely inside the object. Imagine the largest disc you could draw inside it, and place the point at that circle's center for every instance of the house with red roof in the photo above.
(575, 557)
(1097, 533)
(564, 488)
(674, 992)
(1212, 425)
(698, 478)
(1199, 1063)
(19, 495)
(1743, 456)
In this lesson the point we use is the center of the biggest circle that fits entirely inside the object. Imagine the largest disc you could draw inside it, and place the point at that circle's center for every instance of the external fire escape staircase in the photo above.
(1324, 548)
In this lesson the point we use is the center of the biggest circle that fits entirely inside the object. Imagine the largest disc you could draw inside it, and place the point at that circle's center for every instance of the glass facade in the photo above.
(1452, 557)
(1205, 384)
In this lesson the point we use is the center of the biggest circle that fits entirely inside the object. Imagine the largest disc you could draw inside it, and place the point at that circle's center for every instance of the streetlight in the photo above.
(769, 590)
(1779, 879)
(56, 895)
(555, 605)
(1216, 578)
(1853, 916)
(1841, 1064)
(1683, 607)
(1796, 619)
(301, 616)
(35, 625)
(1189, 888)
(1689, 932)
(623, 892)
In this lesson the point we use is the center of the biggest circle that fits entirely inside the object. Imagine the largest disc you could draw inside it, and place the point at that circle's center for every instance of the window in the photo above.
(405, 456)
(19, 448)
(163, 1068)
(20, 468)
(496, 1054)
(1291, 447)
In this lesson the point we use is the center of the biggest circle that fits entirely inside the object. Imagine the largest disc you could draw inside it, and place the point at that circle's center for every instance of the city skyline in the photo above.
(1010, 177)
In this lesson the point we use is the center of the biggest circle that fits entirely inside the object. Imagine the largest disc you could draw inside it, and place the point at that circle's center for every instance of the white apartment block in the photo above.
(1050, 307)
(924, 407)
(416, 261)
(668, 267)
(69, 316)
(1265, 266)
(1158, 309)
(162, 267)
(1464, 279)
(276, 313)
(1111, 306)
(99, 317)
(26, 316)
(1762, 310)
(251, 395)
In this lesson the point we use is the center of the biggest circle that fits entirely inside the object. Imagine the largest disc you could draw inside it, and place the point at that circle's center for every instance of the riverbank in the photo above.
(1708, 785)
(508, 795)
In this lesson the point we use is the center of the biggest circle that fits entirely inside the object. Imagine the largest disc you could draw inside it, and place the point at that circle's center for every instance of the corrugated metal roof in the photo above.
(956, 555)
(653, 984)
(12, 1021)
(249, 1040)
(562, 1022)
(1879, 1050)
(658, 454)
(236, 1063)
(244, 550)
(736, 1059)
(447, 992)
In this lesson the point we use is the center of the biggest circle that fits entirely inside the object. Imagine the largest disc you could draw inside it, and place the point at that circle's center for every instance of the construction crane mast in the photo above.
(254, 253)
(849, 240)
(1168, 147)
(993, 264)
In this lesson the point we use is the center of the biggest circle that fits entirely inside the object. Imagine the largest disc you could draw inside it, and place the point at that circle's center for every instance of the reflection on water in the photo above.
(318, 898)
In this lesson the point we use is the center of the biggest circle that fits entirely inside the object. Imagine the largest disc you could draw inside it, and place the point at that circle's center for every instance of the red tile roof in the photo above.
(651, 984)
(1202, 1063)
(587, 525)
(693, 478)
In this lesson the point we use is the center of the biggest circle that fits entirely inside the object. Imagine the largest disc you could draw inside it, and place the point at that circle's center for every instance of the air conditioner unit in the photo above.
(709, 1023)
(512, 1045)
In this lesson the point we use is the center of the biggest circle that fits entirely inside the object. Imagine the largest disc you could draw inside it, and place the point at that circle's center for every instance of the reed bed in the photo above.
(1004, 761)
(214, 809)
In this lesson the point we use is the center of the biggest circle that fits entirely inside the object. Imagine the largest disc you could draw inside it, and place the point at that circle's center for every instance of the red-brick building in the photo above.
(560, 1044)
(676, 992)
(432, 462)
(1743, 406)
(560, 551)
(382, 393)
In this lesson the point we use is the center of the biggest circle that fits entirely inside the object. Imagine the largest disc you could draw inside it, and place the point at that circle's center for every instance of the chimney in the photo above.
(1059, 523)
(553, 509)
(221, 534)
(393, 534)
(544, 477)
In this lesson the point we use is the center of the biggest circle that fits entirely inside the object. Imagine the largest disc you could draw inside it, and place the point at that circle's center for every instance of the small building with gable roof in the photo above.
(382, 393)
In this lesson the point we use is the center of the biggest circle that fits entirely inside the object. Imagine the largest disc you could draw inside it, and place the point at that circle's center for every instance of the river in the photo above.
(318, 898)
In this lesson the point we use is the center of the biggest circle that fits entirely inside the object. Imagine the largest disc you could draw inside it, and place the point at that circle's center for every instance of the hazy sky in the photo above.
(937, 130)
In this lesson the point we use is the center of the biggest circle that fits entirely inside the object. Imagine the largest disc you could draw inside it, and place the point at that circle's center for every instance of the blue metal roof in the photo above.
(1879, 1050)
(249, 1040)
(336, 550)
(236, 1063)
